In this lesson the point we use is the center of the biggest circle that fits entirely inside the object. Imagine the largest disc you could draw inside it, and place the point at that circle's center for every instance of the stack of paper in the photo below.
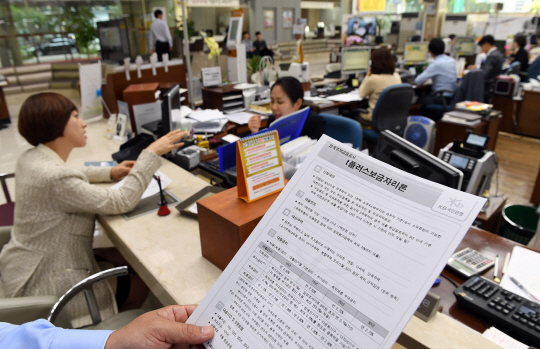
(241, 118)
(295, 151)
(203, 115)
(502, 339)
(212, 126)
(521, 267)
(318, 101)
(153, 187)
(346, 97)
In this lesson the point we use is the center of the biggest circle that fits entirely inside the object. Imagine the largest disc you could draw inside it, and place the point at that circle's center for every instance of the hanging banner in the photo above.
(90, 80)
(213, 3)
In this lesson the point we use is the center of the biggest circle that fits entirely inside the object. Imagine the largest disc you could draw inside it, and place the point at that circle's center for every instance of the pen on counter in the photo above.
(496, 270)
(508, 254)
(524, 289)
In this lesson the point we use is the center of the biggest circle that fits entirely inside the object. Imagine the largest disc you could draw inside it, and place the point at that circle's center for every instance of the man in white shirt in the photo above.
(160, 36)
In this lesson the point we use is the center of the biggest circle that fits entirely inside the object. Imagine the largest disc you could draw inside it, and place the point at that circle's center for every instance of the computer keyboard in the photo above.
(513, 314)
(212, 167)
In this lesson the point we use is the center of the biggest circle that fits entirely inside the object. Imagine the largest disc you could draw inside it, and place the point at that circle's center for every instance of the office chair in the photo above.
(533, 71)
(20, 310)
(7, 210)
(514, 68)
(390, 112)
(343, 129)
(472, 88)
(436, 111)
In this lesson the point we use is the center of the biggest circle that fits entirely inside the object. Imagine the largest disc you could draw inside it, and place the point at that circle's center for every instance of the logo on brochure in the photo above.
(219, 306)
(300, 194)
(455, 202)
(317, 169)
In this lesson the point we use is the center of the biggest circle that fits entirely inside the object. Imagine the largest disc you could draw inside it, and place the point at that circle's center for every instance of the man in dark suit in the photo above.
(492, 66)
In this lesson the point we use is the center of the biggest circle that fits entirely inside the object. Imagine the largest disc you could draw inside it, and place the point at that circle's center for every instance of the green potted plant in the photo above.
(80, 21)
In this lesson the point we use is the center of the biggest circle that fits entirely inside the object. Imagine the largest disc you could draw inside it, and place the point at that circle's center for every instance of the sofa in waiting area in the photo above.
(37, 77)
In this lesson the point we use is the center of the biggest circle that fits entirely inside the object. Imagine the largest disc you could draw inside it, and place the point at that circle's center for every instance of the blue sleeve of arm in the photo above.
(41, 334)
(426, 75)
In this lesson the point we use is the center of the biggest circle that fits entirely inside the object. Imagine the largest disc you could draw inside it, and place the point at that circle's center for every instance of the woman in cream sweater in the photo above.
(381, 75)
(51, 243)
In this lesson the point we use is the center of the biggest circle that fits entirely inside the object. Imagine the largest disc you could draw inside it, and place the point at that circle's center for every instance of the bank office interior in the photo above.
(29, 64)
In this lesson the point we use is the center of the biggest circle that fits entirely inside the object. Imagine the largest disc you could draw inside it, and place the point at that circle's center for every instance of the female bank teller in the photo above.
(381, 75)
(51, 242)
(286, 97)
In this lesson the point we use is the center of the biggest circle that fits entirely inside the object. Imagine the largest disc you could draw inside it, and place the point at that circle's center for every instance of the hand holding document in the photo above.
(342, 259)
(153, 187)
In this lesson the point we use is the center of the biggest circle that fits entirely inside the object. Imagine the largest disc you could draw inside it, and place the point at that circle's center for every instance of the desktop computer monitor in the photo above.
(464, 46)
(402, 154)
(415, 52)
(171, 100)
(355, 60)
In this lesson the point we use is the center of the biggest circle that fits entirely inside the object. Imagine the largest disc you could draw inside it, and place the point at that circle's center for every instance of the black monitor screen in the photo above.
(171, 100)
(406, 156)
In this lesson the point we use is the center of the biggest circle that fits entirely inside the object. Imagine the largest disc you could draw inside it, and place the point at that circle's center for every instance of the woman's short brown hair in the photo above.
(44, 116)
(382, 62)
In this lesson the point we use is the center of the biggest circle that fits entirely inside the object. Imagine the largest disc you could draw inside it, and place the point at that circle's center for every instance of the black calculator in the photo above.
(469, 262)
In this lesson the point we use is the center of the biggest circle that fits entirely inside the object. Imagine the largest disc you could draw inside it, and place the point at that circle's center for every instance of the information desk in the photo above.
(166, 252)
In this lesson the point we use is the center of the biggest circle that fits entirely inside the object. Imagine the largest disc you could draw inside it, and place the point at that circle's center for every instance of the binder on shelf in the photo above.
(259, 166)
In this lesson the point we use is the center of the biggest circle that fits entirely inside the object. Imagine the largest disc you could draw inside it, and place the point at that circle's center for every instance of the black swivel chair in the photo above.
(471, 89)
(390, 112)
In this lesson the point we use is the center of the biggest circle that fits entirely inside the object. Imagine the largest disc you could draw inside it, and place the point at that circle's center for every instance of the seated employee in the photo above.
(381, 75)
(260, 46)
(442, 72)
(492, 66)
(156, 329)
(249, 47)
(286, 97)
(452, 45)
(518, 53)
(51, 242)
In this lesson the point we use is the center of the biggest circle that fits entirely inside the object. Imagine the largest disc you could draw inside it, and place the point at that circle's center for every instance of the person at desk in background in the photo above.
(156, 329)
(518, 53)
(442, 72)
(381, 75)
(452, 46)
(286, 97)
(492, 66)
(249, 47)
(51, 242)
(160, 36)
(260, 46)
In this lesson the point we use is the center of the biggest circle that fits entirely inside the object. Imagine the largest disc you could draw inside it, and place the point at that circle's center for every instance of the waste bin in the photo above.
(519, 223)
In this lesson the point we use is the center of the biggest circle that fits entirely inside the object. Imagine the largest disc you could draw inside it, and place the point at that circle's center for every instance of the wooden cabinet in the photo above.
(225, 222)
(139, 94)
(448, 131)
(4, 111)
(225, 98)
(529, 115)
